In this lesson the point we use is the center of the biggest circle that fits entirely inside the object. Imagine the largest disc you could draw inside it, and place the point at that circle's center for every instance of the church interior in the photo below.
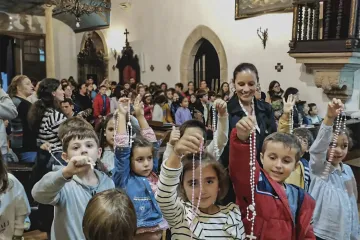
(310, 45)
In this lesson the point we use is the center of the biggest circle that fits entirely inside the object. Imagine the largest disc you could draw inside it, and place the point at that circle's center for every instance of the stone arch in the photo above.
(190, 48)
(101, 36)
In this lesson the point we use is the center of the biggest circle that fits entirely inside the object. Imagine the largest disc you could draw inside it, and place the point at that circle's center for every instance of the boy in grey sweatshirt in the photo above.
(71, 188)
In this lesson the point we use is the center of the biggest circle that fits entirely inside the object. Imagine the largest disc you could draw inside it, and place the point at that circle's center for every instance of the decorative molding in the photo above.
(168, 67)
(279, 67)
(152, 68)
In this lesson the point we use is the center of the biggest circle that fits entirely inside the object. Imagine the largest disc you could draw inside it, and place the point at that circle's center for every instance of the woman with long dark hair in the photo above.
(23, 140)
(45, 115)
(16, 205)
(274, 91)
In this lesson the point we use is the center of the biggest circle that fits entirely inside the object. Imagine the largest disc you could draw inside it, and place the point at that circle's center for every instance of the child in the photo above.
(101, 104)
(148, 107)
(14, 208)
(183, 113)
(313, 117)
(301, 175)
(175, 104)
(107, 142)
(135, 171)
(283, 211)
(336, 213)
(70, 188)
(222, 131)
(202, 106)
(210, 221)
(101, 224)
(158, 112)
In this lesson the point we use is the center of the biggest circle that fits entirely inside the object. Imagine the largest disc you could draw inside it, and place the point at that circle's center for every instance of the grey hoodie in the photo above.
(70, 198)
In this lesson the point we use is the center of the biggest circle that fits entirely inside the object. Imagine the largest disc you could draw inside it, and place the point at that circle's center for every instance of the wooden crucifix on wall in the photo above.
(128, 63)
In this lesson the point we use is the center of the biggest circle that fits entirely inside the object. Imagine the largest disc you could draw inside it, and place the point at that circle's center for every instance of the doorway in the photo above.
(207, 66)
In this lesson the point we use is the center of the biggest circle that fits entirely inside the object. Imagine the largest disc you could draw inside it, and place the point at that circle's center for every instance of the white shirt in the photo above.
(14, 208)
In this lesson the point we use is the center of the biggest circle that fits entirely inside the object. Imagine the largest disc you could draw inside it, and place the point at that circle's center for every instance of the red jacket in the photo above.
(274, 220)
(98, 106)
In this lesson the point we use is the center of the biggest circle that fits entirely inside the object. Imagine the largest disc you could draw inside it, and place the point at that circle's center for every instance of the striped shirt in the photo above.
(49, 127)
(225, 224)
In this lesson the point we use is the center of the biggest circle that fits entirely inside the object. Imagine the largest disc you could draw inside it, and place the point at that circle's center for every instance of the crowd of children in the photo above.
(114, 185)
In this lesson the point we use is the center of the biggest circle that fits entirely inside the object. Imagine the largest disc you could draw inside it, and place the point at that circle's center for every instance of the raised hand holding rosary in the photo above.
(251, 210)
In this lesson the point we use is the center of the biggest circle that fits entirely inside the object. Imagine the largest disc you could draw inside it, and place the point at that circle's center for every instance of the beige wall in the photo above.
(159, 29)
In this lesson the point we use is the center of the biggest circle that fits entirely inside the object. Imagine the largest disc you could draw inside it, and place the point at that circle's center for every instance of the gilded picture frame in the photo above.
(252, 8)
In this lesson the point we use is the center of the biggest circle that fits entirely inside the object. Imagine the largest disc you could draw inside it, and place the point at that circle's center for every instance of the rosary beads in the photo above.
(214, 128)
(340, 123)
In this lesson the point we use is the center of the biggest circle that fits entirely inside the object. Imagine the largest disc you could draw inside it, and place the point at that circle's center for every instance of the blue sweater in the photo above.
(182, 115)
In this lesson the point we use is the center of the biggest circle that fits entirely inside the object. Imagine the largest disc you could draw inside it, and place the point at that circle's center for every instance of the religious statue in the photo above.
(251, 8)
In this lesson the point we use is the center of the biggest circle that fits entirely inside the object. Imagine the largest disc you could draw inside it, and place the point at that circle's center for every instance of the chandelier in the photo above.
(79, 8)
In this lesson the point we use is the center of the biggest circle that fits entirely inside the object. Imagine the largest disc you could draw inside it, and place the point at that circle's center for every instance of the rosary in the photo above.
(250, 210)
(340, 123)
(118, 139)
(214, 128)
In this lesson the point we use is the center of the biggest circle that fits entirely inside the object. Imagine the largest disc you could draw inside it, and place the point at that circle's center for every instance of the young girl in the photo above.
(210, 221)
(107, 142)
(148, 106)
(14, 208)
(336, 213)
(135, 171)
(183, 113)
(175, 104)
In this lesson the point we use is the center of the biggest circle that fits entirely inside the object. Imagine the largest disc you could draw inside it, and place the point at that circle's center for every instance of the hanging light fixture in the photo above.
(79, 8)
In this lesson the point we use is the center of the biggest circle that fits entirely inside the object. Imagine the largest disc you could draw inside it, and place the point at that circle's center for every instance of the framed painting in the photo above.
(252, 8)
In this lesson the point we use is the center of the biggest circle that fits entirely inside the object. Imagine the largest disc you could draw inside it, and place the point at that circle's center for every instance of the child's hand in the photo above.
(189, 143)
(244, 127)
(221, 107)
(174, 136)
(289, 104)
(124, 105)
(138, 106)
(334, 108)
(77, 165)
(45, 146)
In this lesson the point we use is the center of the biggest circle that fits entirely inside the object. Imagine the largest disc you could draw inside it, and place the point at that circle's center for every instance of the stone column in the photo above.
(49, 41)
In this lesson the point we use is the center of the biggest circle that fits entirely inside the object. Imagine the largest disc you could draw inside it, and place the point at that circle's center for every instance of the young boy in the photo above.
(179, 87)
(101, 103)
(70, 188)
(183, 113)
(283, 211)
(301, 175)
(313, 114)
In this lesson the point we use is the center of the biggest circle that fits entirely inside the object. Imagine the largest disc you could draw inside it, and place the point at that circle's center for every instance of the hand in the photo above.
(334, 108)
(45, 146)
(100, 116)
(174, 136)
(188, 143)
(289, 104)
(77, 165)
(221, 107)
(244, 128)
(138, 106)
(124, 105)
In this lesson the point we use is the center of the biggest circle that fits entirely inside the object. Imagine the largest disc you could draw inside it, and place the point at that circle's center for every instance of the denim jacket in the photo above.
(137, 187)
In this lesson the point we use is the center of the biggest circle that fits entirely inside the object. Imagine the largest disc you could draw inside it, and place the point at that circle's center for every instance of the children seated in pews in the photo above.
(283, 211)
(333, 185)
(70, 188)
(185, 184)
(136, 165)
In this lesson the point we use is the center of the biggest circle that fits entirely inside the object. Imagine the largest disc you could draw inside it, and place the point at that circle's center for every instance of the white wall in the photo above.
(158, 29)
(64, 42)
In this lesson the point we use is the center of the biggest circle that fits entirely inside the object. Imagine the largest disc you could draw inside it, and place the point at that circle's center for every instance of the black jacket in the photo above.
(264, 117)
